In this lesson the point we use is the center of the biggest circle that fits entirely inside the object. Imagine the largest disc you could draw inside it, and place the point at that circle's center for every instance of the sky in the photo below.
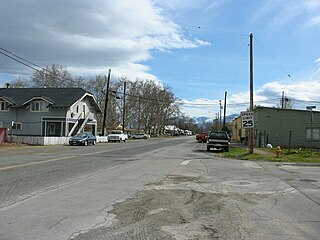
(198, 48)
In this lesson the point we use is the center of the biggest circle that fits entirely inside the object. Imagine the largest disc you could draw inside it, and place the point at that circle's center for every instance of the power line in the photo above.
(27, 63)
(15, 55)
(19, 61)
(278, 64)
(216, 30)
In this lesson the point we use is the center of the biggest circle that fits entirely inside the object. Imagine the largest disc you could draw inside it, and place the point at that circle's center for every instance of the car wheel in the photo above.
(124, 140)
(208, 149)
(199, 140)
(94, 142)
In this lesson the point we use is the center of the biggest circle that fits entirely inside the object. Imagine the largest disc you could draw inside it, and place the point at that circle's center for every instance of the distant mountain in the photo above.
(203, 120)
(231, 117)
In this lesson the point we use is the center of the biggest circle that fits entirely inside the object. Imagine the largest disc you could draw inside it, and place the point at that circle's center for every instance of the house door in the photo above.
(52, 129)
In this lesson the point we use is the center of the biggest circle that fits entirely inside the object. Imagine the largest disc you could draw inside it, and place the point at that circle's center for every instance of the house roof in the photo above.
(59, 97)
(284, 109)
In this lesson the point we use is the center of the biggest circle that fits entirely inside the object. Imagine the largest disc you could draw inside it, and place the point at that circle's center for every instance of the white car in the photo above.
(117, 136)
(140, 136)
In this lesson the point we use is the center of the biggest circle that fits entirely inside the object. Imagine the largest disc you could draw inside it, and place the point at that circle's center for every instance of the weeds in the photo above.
(267, 154)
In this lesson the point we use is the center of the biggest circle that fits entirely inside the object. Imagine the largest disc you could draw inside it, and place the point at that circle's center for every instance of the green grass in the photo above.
(266, 154)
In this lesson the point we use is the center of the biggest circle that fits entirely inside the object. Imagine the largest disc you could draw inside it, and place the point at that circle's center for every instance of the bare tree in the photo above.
(20, 83)
(54, 76)
(149, 106)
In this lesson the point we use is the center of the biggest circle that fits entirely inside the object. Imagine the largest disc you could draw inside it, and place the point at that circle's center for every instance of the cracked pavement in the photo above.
(179, 191)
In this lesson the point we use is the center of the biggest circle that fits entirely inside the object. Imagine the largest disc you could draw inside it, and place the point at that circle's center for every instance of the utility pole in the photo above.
(282, 100)
(106, 105)
(139, 117)
(220, 107)
(224, 111)
(251, 92)
(124, 105)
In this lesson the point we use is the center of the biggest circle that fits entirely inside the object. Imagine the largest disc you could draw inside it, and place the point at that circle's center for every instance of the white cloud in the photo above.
(88, 37)
(315, 21)
(282, 12)
(268, 95)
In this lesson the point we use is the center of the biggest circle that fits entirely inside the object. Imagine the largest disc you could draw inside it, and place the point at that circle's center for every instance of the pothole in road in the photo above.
(177, 214)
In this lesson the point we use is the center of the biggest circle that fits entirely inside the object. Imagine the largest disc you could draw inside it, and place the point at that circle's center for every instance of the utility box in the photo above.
(3, 135)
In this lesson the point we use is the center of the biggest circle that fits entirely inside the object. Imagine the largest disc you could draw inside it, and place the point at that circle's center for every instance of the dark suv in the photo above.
(218, 140)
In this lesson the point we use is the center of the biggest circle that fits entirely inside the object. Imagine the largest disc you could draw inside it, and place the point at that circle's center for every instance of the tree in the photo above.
(55, 76)
(20, 83)
(149, 106)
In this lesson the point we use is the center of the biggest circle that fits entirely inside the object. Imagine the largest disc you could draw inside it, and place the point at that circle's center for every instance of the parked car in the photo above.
(202, 137)
(218, 140)
(117, 136)
(83, 139)
(140, 136)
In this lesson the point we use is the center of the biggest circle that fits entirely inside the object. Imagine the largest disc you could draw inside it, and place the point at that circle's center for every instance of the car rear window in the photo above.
(219, 135)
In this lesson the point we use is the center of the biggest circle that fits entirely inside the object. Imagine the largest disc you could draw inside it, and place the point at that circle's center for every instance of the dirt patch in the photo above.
(7, 145)
(177, 214)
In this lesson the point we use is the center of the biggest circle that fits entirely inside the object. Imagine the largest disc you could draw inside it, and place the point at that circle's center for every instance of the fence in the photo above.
(41, 141)
(3, 135)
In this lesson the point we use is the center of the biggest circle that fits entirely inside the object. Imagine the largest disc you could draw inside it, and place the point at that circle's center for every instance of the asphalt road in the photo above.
(154, 189)
(29, 171)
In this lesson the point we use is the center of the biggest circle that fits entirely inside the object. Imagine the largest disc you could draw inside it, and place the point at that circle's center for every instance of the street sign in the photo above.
(247, 119)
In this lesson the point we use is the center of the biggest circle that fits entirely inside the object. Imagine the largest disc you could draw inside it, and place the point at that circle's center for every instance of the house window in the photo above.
(4, 106)
(313, 134)
(17, 125)
(38, 106)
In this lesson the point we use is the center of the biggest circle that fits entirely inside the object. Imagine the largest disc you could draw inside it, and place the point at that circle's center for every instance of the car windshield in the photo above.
(80, 135)
(219, 135)
(116, 132)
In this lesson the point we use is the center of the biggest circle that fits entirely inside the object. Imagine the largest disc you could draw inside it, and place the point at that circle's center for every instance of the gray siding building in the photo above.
(273, 125)
(47, 111)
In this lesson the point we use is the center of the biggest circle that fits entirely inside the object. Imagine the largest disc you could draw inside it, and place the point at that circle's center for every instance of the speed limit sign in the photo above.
(247, 119)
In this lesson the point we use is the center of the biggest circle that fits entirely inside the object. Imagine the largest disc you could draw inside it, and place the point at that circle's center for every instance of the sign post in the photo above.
(247, 122)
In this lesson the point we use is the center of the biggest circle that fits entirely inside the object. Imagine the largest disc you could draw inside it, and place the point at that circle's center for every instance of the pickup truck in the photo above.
(202, 137)
(218, 140)
(117, 136)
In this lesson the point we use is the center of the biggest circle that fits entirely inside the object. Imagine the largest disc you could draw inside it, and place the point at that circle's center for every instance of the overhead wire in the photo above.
(278, 64)
(28, 64)
(15, 55)
(17, 60)
(38, 68)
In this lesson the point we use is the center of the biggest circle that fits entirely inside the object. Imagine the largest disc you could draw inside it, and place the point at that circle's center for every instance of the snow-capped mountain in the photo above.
(203, 120)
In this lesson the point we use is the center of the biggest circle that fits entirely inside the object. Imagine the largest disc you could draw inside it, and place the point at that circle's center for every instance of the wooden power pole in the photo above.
(251, 92)
(124, 105)
(106, 105)
(224, 111)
